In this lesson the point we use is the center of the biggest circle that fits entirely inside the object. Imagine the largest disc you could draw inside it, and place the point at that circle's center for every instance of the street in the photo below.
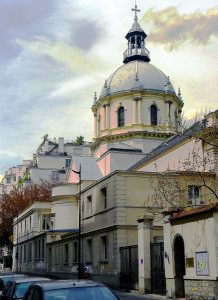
(130, 296)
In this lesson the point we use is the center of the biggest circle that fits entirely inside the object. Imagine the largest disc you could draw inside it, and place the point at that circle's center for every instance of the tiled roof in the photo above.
(193, 211)
(168, 144)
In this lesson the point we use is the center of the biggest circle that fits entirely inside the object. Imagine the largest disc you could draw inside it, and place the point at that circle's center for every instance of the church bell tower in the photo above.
(136, 42)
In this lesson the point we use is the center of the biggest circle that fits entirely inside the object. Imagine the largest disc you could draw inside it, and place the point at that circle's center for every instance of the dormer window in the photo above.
(194, 195)
(153, 115)
(121, 117)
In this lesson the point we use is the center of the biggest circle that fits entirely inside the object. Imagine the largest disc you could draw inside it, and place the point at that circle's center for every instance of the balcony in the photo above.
(136, 53)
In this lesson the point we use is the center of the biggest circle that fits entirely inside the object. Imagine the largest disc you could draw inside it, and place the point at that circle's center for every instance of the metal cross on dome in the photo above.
(135, 9)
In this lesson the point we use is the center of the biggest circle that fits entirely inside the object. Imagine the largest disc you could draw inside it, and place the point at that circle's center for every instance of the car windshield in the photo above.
(20, 289)
(90, 293)
(4, 281)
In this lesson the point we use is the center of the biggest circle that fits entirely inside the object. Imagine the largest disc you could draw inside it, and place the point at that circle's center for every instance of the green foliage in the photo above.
(44, 138)
(79, 140)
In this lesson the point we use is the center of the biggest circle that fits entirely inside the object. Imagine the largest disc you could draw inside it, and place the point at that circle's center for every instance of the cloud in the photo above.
(77, 60)
(172, 29)
(65, 89)
(19, 19)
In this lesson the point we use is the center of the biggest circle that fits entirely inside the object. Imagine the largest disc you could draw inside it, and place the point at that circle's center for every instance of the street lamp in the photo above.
(80, 269)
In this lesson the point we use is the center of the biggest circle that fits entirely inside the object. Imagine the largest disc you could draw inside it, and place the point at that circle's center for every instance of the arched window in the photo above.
(121, 118)
(153, 115)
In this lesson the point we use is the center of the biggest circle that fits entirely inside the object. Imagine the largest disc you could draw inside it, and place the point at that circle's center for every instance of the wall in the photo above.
(199, 233)
(66, 213)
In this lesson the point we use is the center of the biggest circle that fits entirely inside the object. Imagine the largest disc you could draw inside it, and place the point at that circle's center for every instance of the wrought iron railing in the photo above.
(136, 51)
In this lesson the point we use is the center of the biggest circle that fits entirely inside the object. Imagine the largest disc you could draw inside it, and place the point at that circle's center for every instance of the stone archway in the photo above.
(179, 263)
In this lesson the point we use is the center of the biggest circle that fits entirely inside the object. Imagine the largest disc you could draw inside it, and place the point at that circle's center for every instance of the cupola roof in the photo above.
(149, 78)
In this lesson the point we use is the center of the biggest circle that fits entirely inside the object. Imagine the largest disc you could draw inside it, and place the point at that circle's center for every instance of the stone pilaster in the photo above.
(108, 116)
(95, 125)
(144, 255)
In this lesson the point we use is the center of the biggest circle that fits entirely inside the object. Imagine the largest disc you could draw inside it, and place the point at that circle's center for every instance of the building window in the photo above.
(55, 175)
(104, 247)
(43, 248)
(121, 118)
(66, 253)
(35, 250)
(75, 252)
(8, 179)
(25, 227)
(20, 169)
(39, 249)
(57, 255)
(24, 253)
(21, 254)
(89, 250)
(67, 163)
(46, 222)
(194, 195)
(153, 115)
(89, 206)
(29, 251)
(30, 223)
(15, 178)
(104, 197)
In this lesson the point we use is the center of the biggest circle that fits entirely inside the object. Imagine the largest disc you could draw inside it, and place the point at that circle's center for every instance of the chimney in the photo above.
(61, 146)
(46, 146)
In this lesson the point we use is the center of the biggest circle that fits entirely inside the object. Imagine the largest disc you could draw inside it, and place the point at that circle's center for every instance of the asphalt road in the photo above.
(129, 296)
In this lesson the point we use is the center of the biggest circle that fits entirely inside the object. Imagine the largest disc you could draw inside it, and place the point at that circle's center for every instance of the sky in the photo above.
(55, 54)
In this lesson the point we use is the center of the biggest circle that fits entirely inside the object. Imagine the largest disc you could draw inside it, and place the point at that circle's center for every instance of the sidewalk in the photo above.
(134, 296)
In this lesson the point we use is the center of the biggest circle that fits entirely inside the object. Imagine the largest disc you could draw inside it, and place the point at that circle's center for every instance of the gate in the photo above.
(129, 267)
(158, 281)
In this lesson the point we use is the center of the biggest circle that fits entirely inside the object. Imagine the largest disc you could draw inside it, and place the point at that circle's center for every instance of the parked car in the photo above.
(5, 278)
(69, 290)
(16, 288)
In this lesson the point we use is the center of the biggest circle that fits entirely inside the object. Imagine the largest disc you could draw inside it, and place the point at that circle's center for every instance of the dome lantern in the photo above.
(136, 42)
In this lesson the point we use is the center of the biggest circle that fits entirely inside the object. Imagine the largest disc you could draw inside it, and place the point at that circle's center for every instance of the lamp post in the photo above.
(79, 234)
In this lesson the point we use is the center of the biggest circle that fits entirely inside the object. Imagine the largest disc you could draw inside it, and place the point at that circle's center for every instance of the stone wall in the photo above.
(201, 289)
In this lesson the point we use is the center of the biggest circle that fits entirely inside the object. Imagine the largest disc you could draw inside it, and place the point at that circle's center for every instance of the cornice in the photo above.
(128, 135)
(139, 93)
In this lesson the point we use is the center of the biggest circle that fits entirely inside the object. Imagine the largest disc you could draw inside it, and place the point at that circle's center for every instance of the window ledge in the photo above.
(90, 262)
(104, 261)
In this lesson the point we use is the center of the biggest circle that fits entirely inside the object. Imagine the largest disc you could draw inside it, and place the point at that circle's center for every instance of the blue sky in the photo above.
(55, 54)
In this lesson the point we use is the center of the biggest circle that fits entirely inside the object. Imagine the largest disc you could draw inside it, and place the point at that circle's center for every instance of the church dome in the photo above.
(136, 75)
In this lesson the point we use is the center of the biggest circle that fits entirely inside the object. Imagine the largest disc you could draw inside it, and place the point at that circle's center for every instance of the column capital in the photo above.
(137, 98)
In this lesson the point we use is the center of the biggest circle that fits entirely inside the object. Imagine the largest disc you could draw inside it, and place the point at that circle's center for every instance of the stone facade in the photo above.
(201, 289)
